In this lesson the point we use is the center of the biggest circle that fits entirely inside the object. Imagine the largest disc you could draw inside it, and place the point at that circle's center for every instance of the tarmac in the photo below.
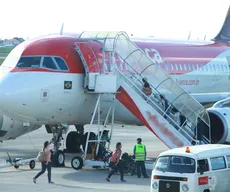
(66, 178)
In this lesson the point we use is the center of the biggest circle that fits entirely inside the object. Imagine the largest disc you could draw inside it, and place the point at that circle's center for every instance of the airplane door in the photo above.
(90, 63)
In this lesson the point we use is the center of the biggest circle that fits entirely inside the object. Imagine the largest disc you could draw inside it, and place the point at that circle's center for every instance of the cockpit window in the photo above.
(49, 63)
(61, 63)
(29, 62)
(176, 164)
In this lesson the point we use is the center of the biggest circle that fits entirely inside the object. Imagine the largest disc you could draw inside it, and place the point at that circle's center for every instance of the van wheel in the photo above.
(206, 190)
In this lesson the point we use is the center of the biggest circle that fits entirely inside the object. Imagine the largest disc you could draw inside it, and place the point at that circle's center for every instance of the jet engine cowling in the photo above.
(220, 125)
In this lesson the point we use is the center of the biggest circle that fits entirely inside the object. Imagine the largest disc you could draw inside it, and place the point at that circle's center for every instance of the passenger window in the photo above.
(29, 62)
(167, 66)
(193, 67)
(202, 164)
(214, 67)
(181, 67)
(49, 63)
(222, 67)
(218, 163)
(218, 67)
(176, 67)
(185, 67)
(228, 160)
(61, 63)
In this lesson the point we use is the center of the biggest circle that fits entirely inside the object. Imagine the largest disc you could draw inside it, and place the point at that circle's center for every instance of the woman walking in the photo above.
(46, 164)
(117, 163)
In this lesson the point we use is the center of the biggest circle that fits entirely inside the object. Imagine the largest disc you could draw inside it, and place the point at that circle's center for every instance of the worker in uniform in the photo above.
(140, 157)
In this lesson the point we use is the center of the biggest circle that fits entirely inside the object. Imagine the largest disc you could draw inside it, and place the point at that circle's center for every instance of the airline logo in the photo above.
(188, 82)
(132, 62)
(154, 55)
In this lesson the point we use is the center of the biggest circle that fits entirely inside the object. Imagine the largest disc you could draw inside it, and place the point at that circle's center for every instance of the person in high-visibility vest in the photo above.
(140, 157)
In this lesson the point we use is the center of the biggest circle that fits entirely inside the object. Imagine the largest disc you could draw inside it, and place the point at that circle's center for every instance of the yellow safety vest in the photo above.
(140, 152)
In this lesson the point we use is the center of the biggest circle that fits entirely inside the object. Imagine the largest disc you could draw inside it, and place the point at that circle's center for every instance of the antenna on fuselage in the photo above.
(62, 28)
(189, 35)
(205, 37)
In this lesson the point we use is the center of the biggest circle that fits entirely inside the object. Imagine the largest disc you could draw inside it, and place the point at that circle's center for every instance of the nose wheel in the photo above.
(58, 156)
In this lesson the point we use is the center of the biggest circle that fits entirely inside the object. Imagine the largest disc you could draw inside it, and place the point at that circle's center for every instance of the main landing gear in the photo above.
(58, 156)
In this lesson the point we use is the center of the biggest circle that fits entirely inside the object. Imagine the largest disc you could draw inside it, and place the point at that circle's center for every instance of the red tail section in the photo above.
(224, 34)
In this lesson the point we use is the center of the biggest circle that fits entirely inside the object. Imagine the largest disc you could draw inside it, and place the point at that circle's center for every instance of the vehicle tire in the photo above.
(92, 136)
(32, 164)
(16, 166)
(73, 142)
(77, 163)
(58, 159)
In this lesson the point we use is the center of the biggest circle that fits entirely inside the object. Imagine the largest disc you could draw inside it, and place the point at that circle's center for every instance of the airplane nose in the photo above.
(11, 91)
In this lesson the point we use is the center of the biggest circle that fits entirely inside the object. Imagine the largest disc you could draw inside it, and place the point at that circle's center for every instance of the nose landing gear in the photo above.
(58, 156)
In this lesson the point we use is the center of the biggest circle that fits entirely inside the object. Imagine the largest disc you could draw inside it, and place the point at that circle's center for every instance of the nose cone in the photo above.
(11, 91)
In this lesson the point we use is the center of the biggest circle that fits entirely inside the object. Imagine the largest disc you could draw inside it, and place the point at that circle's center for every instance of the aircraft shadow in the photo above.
(99, 175)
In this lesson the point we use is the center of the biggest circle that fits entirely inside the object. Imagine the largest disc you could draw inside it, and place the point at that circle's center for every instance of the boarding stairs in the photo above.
(133, 67)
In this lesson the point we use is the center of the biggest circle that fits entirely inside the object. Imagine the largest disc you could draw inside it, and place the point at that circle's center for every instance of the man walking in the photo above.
(140, 157)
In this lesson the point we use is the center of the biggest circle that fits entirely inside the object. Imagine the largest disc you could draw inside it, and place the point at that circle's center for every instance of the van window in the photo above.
(176, 164)
(218, 163)
(203, 163)
(228, 160)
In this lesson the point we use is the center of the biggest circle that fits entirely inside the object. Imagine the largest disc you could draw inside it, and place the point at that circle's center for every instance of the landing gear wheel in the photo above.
(58, 159)
(77, 163)
(16, 166)
(32, 164)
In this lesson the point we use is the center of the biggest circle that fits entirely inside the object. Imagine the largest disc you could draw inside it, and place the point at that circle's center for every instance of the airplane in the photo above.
(42, 82)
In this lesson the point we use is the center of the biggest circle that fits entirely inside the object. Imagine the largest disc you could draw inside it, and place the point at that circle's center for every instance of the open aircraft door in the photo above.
(90, 63)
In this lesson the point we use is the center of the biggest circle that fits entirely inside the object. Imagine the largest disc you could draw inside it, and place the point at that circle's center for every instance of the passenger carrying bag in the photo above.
(147, 91)
(113, 158)
(41, 156)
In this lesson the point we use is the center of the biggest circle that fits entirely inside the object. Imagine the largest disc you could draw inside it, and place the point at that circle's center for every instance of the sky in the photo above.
(159, 18)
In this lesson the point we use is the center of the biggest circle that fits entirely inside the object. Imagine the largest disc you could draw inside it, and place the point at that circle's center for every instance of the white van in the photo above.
(200, 168)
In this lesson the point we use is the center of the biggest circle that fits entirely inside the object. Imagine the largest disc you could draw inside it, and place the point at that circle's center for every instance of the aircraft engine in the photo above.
(220, 124)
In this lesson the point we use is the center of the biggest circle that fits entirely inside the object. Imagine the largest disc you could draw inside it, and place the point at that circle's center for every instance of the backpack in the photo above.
(113, 158)
(41, 156)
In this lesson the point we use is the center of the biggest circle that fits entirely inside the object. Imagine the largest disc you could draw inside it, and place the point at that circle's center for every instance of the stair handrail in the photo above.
(115, 42)
(179, 127)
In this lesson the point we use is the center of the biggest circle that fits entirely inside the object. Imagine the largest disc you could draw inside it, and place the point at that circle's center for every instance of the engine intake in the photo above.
(220, 124)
